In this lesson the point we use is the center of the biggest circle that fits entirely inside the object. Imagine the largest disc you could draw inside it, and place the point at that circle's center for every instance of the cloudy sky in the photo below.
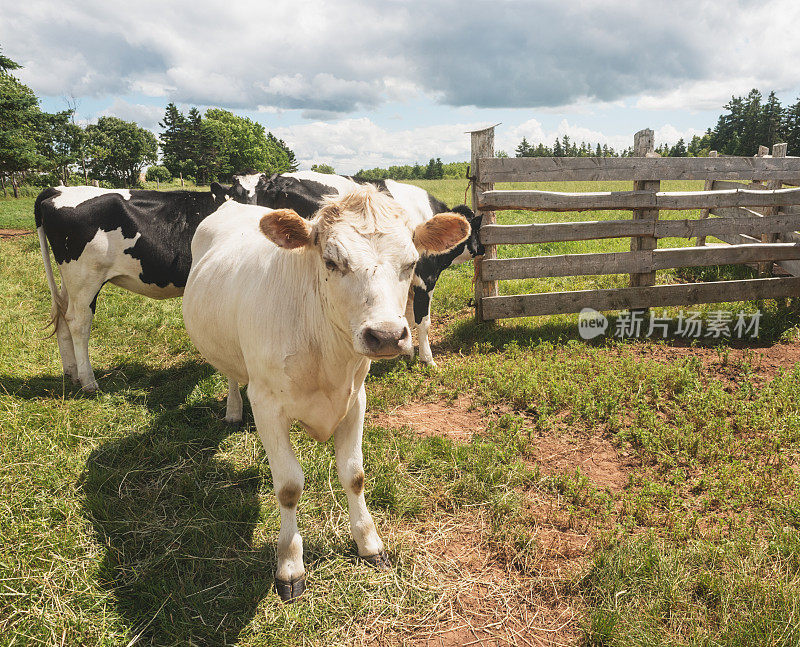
(362, 84)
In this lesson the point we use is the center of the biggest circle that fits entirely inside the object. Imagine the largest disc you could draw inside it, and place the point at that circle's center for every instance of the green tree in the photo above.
(524, 149)
(679, 149)
(158, 173)
(771, 127)
(20, 120)
(791, 127)
(119, 150)
(327, 168)
(176, 146)
(60, 143)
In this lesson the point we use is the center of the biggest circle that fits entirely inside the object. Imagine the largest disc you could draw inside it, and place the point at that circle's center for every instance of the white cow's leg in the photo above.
(233, 409)
(79, 319)
(425, 354)
(65, 345)
(350, 467)
(410, 318)
(287, 477)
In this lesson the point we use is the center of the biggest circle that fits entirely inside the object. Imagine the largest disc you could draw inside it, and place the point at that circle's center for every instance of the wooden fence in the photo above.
(759, 219)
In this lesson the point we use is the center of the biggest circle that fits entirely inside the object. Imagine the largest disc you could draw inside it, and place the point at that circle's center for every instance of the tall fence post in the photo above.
(643, 143)
(778, 150)
(482, 142)
(708, 186)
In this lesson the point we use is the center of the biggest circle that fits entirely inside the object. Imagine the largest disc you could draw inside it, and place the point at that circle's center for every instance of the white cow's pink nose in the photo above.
(386, 339)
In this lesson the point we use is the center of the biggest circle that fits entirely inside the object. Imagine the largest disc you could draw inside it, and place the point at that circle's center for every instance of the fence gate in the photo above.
(759, 219)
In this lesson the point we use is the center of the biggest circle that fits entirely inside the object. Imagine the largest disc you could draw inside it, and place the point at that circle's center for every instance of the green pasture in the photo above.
(137, 517)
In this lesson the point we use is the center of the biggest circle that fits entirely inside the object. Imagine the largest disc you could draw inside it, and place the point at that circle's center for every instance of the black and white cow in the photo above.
(137, 239)
(303, 192)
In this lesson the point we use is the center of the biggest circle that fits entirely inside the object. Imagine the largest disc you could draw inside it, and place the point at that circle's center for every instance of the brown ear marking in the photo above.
(285, 228)
(441, 233)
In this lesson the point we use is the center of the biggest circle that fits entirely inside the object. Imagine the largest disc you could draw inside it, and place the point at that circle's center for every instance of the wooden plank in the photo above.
(778, 150)
(638, 261)
(600, 229)
(548, 169)
(569, 265)
(724, 184)
(533, 200)
(482, 146)
(709, 186)
(532, 305)
(736, 212)
(643, 145)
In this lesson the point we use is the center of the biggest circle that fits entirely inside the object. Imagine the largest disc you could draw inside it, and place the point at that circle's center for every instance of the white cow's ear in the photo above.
(441, 233)
(286, 229)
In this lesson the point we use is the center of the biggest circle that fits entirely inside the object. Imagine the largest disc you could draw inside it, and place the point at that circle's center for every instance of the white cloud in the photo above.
(352, 144)
(355, 55)
(146, 116)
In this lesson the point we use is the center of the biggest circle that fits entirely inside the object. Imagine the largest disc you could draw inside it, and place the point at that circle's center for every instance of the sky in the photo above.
(359, 84)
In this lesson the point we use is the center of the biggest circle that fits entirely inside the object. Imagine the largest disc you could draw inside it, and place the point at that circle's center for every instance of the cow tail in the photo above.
(57, 307)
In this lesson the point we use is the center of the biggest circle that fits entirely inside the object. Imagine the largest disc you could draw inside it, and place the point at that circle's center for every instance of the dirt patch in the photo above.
(11, 233)
(485, 602)
(596, 457)
(730, 365)
(456, 420)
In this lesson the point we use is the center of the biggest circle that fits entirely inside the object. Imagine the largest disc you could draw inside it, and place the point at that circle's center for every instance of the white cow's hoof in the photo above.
(233, 420)
(380, 561)
(290, 590)
(429, 363)
(93, 387)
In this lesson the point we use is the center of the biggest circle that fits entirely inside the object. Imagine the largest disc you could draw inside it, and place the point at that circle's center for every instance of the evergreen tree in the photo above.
(558, 151)
(771, 121)
(176, 142)
(524, 149)
(791, 127)
(679, 149)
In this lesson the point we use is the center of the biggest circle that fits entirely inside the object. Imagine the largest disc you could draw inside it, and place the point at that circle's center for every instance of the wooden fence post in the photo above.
(708, 186)
(643, 143)
(482, 142)
(765, 269)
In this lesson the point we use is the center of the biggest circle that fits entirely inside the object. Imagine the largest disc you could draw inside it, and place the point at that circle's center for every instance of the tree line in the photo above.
(39, 148)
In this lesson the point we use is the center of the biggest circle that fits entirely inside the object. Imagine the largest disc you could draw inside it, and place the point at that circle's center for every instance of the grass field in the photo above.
(534, 489)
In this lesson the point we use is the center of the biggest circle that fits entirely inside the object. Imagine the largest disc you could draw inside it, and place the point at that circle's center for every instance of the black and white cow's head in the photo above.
(472, 246)
(287, 192)
(244, 188)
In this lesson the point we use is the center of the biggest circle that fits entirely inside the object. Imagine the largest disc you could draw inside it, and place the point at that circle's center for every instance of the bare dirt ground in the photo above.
(456, 420)
(760, 363)
(12, 233)
(483, 602)
(493, 601)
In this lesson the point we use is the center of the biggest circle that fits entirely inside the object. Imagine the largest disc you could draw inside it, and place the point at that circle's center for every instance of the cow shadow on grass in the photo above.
(177, 526)
(138, 383)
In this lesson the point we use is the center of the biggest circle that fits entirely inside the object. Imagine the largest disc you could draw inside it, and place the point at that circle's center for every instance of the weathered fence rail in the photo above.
(759, 219)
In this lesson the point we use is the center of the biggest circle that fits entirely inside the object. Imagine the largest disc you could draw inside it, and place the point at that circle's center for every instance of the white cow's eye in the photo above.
(331, 265)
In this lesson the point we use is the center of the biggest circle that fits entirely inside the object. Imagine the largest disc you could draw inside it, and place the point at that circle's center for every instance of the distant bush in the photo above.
(323, 168)
(158, 174)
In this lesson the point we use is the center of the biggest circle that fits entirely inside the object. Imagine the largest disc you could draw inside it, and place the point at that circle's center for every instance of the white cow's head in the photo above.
(364, 250)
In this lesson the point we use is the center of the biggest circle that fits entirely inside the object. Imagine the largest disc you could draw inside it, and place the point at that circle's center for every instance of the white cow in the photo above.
(296, 309)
